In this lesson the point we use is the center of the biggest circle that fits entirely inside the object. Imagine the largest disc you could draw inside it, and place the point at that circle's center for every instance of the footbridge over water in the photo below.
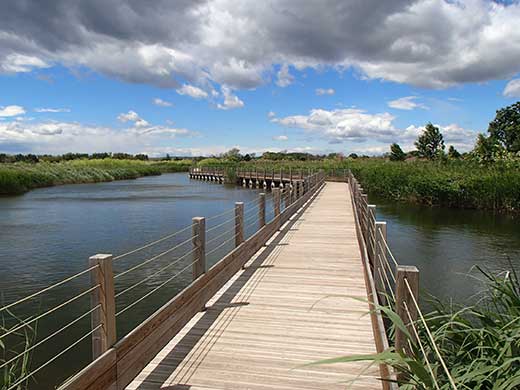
(295, 290)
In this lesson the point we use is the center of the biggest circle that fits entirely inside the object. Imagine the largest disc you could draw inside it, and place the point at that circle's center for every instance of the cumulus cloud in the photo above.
(242, 45)
(162, 103)
(325, 91)
(230, 101)
(52, 110)
(192, 91)
(271, 114)
(512, 88)
(20, 63)
(62, 137)
(132, 116)
(357, 125)
(8, 111)
(284, 77)
(280, 138)
(406, 103)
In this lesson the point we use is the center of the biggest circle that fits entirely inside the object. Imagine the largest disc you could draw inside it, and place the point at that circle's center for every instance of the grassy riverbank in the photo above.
(452, 183)
(18, 178)
(461, 184)
(479, 344)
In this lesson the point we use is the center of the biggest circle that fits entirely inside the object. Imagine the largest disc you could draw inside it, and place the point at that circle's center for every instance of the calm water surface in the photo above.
(447, 244)
(48, 234)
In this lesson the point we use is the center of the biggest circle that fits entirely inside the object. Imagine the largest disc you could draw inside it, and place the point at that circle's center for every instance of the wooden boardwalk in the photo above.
(292, 304)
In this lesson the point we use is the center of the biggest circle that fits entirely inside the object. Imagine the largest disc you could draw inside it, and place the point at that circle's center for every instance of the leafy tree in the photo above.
(353, 155)
(430, 143)
(486, 148)
(453, 153)
(233, 155)
(505, 128)
(396, 153)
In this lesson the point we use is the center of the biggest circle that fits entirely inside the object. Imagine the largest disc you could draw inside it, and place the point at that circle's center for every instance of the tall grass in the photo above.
(480, 344)
(18, 178)
(452, 183)
(14, 371)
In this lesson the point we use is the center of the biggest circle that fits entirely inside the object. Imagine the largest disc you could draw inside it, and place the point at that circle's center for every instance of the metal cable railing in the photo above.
(103, 292)
(392, 286)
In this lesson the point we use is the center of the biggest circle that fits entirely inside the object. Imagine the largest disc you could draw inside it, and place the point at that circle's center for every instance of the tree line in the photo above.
(33, 158)
(501, 142)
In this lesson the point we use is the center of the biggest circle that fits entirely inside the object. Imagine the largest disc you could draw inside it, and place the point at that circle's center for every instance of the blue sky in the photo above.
(281, 76)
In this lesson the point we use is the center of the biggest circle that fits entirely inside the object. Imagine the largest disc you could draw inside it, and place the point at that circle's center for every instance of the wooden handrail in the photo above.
(124, 360)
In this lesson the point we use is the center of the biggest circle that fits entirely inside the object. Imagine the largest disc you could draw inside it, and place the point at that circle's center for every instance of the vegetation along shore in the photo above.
(22, 176)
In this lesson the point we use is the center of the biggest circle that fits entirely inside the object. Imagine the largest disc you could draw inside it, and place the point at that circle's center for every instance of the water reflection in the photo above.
(446, 244)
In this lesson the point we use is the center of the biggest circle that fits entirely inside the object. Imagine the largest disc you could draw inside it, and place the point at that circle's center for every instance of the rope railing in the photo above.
(146, 246)
(393, 281)
(47, 338)
(429, 333)
(155, 289)
(25, 323)
(46, 289)
(227, 233)
(24, 378)
(162, 254)
(169, 265)
(221, 245)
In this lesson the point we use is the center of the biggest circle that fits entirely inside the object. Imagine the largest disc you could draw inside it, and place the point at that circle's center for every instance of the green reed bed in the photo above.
(480, 343)
(18, 178)
(460, 184)
(452, 183)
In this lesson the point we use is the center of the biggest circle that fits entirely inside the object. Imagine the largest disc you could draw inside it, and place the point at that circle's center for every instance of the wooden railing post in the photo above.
(379, 261)
(261, 210)
(103, 296)
(239, 223)
(276, 200)
(199, 244)
(405, 274)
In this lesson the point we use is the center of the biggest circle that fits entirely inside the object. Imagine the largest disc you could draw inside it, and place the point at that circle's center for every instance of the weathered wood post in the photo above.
(403, 295)
(239, 223)
(261, 210)
(199, 244)
(379, 261)
(104, 337)
(276, 200)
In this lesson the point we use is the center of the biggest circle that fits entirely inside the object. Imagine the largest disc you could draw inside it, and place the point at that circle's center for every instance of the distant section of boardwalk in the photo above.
(293, 304)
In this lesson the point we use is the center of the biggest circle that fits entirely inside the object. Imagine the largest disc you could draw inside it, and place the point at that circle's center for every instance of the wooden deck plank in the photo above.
(294, 303)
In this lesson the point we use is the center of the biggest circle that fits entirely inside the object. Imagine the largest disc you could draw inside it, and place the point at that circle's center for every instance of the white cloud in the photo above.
(192, 91)
(325, 91)
(53, 110)
(280, 138)
(512, 88)
(62, 137)
(132, 116)
(162, 103)
(356, 125)
(284, 77)
(406, 103)
(11, 111)
(230, 101)
(271, 114)
(20, 63)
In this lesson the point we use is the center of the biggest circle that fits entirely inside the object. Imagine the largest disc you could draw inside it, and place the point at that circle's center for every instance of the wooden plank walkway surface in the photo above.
(292, 304)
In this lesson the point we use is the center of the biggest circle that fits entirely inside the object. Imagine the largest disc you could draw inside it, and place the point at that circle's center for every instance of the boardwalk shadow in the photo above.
(217, 316)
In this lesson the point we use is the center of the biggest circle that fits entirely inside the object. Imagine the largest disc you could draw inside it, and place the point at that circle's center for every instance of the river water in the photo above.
(48, 234)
